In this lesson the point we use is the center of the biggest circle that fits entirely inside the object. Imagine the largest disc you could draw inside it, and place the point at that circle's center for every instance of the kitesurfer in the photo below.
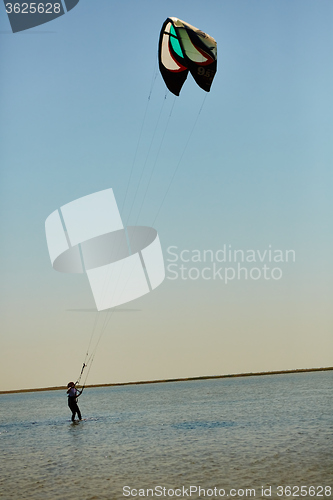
(73, 393)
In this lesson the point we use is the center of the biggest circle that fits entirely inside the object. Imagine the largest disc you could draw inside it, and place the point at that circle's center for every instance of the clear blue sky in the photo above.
(256, 170)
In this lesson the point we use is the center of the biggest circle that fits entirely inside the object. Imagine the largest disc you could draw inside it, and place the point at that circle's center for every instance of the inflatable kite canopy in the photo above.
(182, 49)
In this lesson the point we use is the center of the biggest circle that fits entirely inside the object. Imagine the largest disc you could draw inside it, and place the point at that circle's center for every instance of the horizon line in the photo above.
(185, 379)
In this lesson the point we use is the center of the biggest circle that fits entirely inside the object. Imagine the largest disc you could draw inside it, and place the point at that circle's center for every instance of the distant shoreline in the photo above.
(204, 377)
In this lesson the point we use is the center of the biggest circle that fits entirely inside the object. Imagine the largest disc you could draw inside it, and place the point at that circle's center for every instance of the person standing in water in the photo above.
(73, 393)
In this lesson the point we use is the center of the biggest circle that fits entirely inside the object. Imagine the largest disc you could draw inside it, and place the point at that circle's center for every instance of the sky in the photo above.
(245, 167)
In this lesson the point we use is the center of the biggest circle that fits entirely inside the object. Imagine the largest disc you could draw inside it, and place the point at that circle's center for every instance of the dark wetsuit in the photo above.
(72, 395)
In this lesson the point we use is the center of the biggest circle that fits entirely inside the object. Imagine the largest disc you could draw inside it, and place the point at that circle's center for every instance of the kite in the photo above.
(182, 49)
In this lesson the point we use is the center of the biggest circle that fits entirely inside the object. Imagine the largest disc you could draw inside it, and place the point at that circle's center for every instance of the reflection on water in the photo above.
(225, 433)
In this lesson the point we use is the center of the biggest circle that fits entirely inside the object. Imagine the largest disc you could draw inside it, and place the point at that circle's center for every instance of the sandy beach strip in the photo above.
(203, 377)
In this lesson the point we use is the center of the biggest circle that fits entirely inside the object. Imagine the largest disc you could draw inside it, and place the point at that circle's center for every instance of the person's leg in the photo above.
(72, 405)
(77, 410)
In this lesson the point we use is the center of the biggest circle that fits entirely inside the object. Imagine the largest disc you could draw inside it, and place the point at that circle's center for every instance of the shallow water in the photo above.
(227, 433)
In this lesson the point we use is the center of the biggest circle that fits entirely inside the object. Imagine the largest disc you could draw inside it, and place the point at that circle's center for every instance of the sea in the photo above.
(249, 437)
